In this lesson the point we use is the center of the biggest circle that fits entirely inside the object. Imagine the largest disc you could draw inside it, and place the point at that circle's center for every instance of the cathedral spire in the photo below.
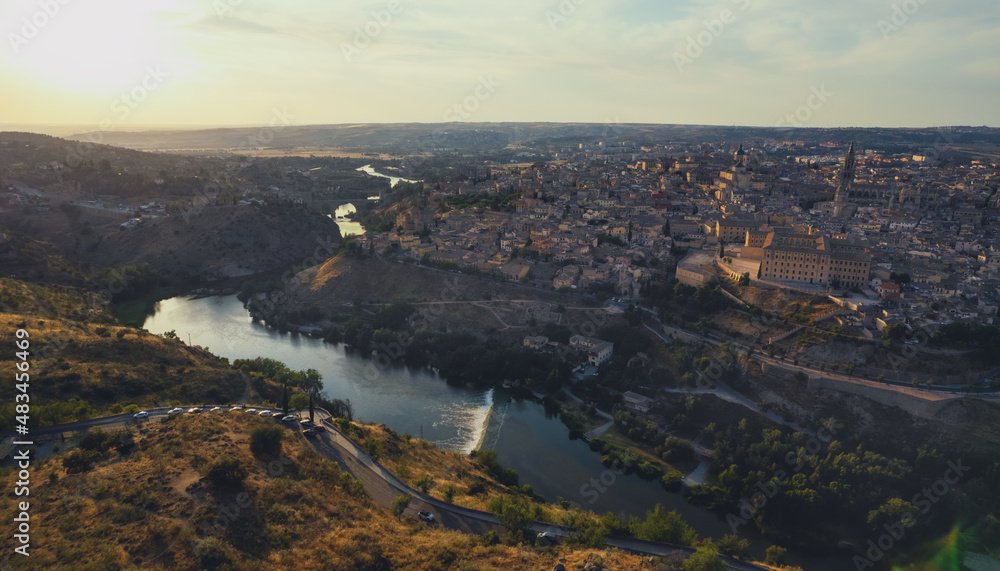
(846, 178)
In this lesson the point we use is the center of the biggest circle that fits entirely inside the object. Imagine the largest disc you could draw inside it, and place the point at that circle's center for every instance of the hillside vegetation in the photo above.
(207, 242)
(27, 259)
(191, 493)
(83, 364)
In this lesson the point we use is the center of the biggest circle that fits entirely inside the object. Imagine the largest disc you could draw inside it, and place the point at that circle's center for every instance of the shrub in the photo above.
(79, 461)
(265, 440)
(425, 483)
(213, 553)
(227, 472)
(671, 481)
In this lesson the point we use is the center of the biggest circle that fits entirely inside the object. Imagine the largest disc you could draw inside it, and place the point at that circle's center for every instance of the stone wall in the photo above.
(918, 403)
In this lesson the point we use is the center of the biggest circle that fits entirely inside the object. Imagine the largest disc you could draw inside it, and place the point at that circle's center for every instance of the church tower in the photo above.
(846, 178)
(741, 156)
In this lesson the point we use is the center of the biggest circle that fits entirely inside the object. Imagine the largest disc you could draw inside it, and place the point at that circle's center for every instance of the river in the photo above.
(349, 227)
(459, 419)
(393, 180)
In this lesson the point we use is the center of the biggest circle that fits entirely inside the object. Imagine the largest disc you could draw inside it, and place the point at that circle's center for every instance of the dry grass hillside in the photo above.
(28, 298)
(162, 497)
(349, 279)
(27, 259)
(209, 242)
(81, 363)
(463, 302)
(108, 367)
(223, 241)
(795, 307)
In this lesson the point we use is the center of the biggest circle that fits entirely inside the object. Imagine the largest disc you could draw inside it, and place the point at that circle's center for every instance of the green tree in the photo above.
(400, 504)
(299, 401)
(425, 483)
(734, 546)
(664, 527)
(373, 448)
(514, 515)
(706, 558)
(775, 555)
(890, 513)
(266, 440)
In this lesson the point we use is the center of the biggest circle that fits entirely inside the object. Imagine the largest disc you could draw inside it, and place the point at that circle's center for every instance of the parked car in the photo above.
(215, 409)
(288, 418)
(319, 428)
(546, 538)
(264, 413)
(277, 413)
(311, 433)
(426, 516)
(140, 414)
(250, 410)
(174, 411)
(306, 423)
(195, 409)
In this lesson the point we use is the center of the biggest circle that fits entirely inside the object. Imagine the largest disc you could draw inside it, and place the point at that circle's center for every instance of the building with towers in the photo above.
(736, 179)
(893, 195)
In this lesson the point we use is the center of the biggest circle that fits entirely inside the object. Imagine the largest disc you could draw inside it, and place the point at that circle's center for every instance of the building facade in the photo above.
(597, 351)
(815, 258)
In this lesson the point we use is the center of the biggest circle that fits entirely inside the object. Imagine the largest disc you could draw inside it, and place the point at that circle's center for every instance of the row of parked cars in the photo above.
(311, 429)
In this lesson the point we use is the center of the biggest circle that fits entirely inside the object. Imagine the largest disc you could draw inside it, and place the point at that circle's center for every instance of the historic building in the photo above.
(815, 258)
(893, 195)
(734, 180)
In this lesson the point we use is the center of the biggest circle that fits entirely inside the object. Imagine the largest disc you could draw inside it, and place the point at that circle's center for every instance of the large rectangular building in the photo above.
(815, 258)
(734, 230)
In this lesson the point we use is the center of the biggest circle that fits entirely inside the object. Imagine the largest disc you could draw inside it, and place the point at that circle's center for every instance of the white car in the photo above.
(264, 413)
(140, 414)
(215, 409)
(174, 411)
(195, 409)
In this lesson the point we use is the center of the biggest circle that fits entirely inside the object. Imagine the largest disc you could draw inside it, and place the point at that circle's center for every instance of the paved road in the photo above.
(944, 391)
(384, 487)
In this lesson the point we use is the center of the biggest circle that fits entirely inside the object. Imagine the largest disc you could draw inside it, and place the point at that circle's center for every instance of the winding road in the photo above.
(384, 487)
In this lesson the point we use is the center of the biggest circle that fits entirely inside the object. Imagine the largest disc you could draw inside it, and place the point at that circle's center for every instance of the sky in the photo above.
(126, 64)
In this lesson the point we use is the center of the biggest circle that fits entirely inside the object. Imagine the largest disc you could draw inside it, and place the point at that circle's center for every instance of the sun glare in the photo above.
(89, 46)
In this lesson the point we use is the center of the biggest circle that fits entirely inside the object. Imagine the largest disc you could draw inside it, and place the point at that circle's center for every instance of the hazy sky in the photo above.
(751, 62)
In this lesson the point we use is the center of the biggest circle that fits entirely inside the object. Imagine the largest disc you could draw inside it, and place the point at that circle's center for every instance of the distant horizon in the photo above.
(65, 130)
